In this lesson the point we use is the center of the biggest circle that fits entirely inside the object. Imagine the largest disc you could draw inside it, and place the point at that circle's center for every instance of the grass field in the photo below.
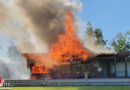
(72, 88)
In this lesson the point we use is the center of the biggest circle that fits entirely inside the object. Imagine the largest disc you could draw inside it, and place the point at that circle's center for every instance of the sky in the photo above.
(111, 16)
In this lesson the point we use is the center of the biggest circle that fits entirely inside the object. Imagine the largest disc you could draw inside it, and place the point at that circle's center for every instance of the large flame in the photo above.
(67, 48)
(69, 45)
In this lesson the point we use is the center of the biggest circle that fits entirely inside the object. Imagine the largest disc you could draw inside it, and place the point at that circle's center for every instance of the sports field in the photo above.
(71, 88)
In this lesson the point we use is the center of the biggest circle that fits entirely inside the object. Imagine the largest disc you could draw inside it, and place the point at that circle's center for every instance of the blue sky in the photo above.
(111, 16)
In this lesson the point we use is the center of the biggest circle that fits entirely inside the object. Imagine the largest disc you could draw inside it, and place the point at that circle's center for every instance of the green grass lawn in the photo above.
(74, 88)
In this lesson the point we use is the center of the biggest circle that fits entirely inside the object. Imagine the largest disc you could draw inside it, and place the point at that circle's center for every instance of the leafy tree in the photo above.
(99, 37)
(121, 42)
(95, 35)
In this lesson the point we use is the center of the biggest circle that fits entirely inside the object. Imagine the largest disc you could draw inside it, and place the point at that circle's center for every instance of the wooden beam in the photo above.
(126, 69)
(115, 65)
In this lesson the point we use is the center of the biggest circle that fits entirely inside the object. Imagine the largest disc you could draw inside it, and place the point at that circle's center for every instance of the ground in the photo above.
(72, 88)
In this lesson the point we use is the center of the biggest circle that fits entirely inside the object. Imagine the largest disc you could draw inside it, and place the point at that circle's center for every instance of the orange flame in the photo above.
(69, 44)
(39, 69)
(67, 48)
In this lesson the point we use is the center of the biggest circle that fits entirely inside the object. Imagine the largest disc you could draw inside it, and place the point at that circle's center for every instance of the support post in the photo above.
(126, 69)
(115, 65)
(91, 70)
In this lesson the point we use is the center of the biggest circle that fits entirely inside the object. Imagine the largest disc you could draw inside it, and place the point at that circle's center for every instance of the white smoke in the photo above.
(97, 49)
(12, 70)
(14, 66)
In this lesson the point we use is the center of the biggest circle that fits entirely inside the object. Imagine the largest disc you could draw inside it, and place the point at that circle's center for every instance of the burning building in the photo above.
(66, 54)
(100, 66)
(67, 69)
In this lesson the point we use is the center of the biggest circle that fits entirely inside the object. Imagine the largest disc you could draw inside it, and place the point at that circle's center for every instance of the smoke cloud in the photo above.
(13, 70)
(2, 13)
(90, 43)
(36, 25)
(14, 66)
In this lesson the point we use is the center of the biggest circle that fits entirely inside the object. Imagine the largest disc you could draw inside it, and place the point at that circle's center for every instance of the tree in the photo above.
(99, 37)
(90, 31)
(95, 35)
(121, 42)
